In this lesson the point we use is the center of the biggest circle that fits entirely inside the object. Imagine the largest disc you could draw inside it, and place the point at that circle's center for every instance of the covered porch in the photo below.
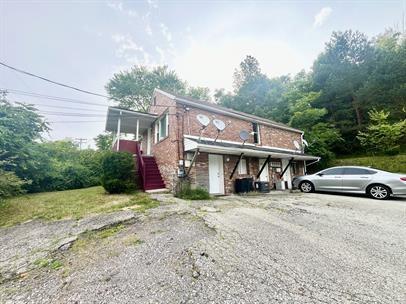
(128, 128)
(226, 162)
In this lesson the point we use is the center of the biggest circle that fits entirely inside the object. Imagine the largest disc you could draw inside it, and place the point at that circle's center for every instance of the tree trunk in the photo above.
(357, 112)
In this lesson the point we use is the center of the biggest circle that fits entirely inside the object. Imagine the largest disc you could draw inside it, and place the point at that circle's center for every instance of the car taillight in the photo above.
(403, 179)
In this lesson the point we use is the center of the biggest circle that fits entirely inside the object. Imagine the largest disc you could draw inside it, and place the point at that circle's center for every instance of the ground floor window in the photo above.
(242, 167)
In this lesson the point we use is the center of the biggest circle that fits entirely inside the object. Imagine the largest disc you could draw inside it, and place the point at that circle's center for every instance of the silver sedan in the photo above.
(375, 183)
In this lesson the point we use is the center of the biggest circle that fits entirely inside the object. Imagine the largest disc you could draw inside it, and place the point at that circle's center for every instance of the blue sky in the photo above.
(82, 43)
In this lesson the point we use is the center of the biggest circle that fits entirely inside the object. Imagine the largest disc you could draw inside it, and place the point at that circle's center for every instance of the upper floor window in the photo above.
(162, 127)
(255, 129)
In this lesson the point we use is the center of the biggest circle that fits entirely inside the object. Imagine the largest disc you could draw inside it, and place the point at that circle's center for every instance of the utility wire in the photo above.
(75, 121)
(58, 107)
(54, 82)
(31, 94)
(78, 101)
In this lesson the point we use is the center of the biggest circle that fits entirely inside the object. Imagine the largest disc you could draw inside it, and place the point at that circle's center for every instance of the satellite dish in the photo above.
(203, 119)
(297, 145)
(244, 135)
(219, 124)
(305, 142)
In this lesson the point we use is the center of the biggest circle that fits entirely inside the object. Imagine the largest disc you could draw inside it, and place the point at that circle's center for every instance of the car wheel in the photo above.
(380, 192)
(306, 187)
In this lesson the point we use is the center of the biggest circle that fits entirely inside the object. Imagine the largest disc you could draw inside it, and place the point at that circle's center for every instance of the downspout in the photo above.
(306, 165)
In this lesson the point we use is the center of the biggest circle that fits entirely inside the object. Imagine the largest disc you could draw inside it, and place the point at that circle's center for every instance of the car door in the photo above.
(356, 179)
(329, 180)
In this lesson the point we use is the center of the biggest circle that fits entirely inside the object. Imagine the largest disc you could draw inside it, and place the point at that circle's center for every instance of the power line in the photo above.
(71, 100)
(54, 82)
(58, 107)
(37, 95)
(71, 114)
(76, 121)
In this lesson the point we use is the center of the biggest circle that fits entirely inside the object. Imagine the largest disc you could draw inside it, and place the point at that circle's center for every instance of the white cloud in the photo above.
(161, 53)
(116, 5)
(132, 13)
(148, 29)
(165, 32)
(152, 3)
(322, 16)
(212, 63)
(129, 50)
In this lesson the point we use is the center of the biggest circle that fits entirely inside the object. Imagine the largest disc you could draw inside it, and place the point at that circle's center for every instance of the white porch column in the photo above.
(137, 131)
(118, 131)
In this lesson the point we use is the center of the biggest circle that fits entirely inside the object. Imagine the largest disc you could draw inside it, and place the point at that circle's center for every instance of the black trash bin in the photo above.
(262, 187)
(243, 185)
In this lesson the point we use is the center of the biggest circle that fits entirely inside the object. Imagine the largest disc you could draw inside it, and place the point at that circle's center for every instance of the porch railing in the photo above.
(140, 165)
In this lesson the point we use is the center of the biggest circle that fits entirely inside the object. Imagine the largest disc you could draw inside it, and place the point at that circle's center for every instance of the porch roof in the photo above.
(221, 147)
(128, 120)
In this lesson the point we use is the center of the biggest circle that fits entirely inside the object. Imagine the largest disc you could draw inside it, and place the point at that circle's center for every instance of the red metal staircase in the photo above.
(148, 171)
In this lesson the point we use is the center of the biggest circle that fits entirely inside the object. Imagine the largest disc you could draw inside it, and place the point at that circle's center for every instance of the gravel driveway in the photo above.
(277, 248)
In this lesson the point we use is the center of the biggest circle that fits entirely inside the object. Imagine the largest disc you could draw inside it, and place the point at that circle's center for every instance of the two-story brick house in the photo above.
(173, 141)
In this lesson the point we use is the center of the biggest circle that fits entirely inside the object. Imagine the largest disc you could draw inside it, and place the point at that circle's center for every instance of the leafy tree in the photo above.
(382, 136)
(254, 92)
(339, 72)
(201, 93)
(104, 141)
(60, 165)
(133, 89)
(20, 125)
(249, 70)
(321, 136)
(385, 86)
(10, 184)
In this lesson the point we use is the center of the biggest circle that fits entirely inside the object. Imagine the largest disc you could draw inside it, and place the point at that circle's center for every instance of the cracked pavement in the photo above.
(276, 248)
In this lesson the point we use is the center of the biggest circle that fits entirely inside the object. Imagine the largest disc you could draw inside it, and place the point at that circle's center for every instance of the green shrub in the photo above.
(118, 174)
(10, 184)
(194, 194)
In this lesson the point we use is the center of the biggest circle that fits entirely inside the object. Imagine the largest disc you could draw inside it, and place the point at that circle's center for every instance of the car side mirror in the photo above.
(320, 174)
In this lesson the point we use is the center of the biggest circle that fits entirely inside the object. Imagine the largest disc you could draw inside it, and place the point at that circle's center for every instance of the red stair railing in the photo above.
(140, 165)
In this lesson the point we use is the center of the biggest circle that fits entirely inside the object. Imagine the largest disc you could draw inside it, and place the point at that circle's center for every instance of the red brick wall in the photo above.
(169, 151)
(280, 138)
(269, 136)
(231, 132)
(166, 151)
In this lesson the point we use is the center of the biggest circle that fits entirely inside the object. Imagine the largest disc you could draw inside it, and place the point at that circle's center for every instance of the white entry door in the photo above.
(264, 177)
(288, 175)
(216, 174)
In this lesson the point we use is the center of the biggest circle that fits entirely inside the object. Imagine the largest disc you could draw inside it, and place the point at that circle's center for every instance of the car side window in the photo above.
(358, 171)
(333, 171)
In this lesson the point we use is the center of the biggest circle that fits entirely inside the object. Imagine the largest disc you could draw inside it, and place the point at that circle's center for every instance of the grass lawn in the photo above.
(69, 204)
(395, 163)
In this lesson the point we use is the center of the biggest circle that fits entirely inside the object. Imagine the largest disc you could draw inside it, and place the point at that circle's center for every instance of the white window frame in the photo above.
(242, 167)
(158, 133)
(258, 132)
